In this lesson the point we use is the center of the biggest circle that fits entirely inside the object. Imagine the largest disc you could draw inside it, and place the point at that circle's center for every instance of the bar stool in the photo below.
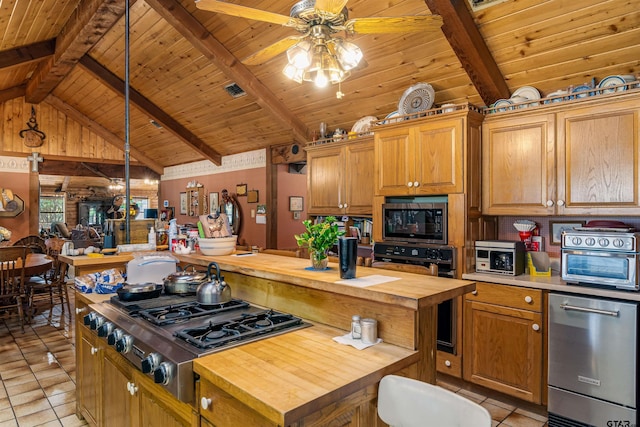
(411, 403)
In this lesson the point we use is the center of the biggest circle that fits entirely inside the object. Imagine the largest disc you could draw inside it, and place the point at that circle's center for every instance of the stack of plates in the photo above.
(528, 92)
(417, 98)
(615, 81)
(502, 105)
(364, 124)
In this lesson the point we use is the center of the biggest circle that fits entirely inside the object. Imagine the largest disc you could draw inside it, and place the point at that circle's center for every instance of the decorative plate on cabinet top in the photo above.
(417, 98)
(615, 81)
(392, 117)
(364, 124)
(528, 92)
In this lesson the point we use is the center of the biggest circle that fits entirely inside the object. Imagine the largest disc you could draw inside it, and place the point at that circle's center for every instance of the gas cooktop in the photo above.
(161, 336)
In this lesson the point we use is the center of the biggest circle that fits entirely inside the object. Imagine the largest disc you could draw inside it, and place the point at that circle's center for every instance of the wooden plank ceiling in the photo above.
(70, 54)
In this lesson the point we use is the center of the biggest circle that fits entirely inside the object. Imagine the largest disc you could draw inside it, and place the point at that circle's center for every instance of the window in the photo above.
(52, 209)
(143, 203)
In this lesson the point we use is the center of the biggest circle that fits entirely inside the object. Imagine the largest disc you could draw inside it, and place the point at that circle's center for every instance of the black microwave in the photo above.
(415, 222)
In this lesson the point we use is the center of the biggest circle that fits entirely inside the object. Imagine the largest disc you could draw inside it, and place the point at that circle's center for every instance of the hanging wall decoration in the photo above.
(33, 137)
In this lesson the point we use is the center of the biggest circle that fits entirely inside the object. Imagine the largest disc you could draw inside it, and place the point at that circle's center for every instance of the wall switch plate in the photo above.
(253, 213)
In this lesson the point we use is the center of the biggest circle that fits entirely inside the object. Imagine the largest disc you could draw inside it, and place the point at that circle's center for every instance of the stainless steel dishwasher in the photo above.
(592, 361)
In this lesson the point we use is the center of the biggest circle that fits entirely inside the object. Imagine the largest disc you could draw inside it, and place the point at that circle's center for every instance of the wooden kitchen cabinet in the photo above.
(88, 390)
(340, 178)
(503, 340)
(425, 158)
(575, 159)
(195, 201)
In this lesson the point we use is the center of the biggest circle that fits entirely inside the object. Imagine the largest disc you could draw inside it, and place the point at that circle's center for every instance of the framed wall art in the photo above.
(296, 203)
(241, 190)
(183, 203)
(213, 202)
(252, 196)
(557, 227)
(167, 213)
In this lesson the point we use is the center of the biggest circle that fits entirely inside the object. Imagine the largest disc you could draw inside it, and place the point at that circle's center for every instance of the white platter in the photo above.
(392, 117)
(528, 92)
(364, 124)
(417, 98)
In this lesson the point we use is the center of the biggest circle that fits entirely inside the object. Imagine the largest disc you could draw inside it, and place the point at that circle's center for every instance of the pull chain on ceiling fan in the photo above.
(318, 55)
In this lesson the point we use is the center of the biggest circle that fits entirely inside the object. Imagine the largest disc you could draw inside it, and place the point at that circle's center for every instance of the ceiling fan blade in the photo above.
(245, 12)
(400, 24)
(332, 6)
(269, 52)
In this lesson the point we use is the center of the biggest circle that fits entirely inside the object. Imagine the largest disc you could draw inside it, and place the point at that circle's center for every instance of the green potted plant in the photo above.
(319, 238)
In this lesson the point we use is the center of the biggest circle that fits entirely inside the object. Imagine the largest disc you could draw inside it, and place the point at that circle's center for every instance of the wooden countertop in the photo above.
(289, 376)
(84, 260)
(552, 283)
(410, 290)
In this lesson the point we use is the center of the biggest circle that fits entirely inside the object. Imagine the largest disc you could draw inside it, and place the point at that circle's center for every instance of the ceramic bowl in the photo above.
(217, 245)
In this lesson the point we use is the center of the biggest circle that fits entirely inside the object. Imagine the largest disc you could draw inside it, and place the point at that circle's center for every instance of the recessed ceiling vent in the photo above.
(483, 4)
(234, 90)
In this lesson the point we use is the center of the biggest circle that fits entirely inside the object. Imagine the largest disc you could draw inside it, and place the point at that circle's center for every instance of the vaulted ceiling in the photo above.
(71, 55)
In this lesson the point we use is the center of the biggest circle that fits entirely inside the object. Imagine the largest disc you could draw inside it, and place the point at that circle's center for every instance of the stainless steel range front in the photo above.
(162, 336)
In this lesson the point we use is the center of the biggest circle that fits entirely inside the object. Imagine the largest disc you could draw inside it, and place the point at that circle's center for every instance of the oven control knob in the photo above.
(96, 322)
(164, 373)
(618, 243)
(603, 242)
(105, 329)
(88, 318)
(576, 240)
(589, 241)
(150, 363)
(124, 344)
(114, 336)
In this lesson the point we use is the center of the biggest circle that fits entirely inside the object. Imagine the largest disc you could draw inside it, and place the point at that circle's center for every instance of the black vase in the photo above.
(347, 254)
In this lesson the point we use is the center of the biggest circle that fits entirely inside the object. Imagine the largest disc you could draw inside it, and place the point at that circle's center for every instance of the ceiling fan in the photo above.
(318, 54)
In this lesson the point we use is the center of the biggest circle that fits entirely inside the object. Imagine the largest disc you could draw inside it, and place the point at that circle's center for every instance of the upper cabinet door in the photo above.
(598, 159)
(359, 181)
(325, 180)
(439, 157)
(518, 165)
(394, 162)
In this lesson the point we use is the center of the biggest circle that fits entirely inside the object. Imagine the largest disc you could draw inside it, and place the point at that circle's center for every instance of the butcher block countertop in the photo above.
(404, 289)
(289, 376)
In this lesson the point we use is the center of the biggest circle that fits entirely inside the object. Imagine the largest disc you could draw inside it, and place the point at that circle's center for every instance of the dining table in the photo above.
(36, 264)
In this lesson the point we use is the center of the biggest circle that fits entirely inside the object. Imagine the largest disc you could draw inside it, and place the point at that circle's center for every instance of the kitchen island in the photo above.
(302, 377)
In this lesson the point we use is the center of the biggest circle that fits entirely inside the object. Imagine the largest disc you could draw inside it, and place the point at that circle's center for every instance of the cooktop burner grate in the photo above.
(243, 327)
(170, 314)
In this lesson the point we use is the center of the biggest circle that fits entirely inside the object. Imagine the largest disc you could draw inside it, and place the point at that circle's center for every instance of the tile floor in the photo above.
(38, 370)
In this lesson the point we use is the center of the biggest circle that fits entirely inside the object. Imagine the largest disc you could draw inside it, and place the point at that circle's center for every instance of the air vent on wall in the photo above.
(482, 4)
(234, 90)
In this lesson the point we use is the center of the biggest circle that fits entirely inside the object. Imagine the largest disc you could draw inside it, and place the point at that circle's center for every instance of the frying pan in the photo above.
(140, 291)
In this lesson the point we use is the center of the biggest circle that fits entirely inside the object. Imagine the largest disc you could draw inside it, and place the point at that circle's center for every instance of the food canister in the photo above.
(369, 328)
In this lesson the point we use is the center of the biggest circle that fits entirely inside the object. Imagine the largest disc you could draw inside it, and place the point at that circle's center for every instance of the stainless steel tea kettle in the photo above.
(214, 290)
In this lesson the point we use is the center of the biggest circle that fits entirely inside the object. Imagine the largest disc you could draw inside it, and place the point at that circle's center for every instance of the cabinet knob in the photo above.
(416, 184)
(535, 327)
(549, 203)
(94, 350)
(410, 184)
(205, 403)
(340, 206)
(560, 202)
(528, 299)
(346, 206)
(447, 363)
(132, 388)
(79, 310)
(474, 292)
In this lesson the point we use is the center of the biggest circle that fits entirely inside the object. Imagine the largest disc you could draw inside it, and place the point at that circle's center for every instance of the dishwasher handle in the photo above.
(589, 310)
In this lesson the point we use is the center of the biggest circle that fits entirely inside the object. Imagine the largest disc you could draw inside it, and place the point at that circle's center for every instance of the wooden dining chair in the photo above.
(46, 294)
(12, 261)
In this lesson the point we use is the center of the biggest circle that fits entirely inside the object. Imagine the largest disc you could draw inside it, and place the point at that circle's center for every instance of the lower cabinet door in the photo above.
(119, 408)
(503, 349)
(88, 385)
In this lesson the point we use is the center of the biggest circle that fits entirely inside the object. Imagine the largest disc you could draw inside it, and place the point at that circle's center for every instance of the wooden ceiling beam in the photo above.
(86, 26)
(104, 133)
(26, 54)
(469, 46)
(169, 123)
(76, 168)
(12, 93)
(198, 35)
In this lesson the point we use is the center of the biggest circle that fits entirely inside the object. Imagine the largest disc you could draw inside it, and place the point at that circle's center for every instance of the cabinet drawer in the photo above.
(227, 411)
(509, 296)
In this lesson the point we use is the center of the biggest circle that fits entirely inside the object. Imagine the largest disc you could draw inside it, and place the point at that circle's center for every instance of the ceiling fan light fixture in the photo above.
(295, 74)
(299, 55)
(349, 54)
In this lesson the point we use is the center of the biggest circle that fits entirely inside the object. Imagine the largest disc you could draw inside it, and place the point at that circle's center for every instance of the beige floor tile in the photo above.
(519, 420)
(38, 358)
(51, 363)
(62, 398)
(9, 423)
(73, 421)
(497, 413)
(37, 405)
(530, 414)
(54, 423)
(21, 379)
(22, 388)
(37, 418)
(447, 386)
(476, 397)
(59, 388)
(65, 410)
(13, 373)
(47, 372)
(3, 393)
(30, 396)
(5, 403)
(6, 414)
(501, 404)
(58, 378)
(22, 363)
(12, 357)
